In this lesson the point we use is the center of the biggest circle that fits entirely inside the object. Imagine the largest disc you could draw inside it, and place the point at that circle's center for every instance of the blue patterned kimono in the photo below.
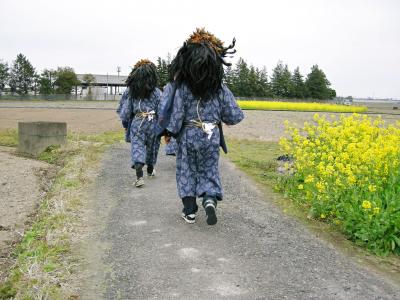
(125, 124)
(171, 148)
(144, 148)
(197, 172)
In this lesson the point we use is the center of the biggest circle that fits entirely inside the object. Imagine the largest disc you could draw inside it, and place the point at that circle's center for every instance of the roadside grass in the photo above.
(258, 160)
(43, 260)
(9, 137)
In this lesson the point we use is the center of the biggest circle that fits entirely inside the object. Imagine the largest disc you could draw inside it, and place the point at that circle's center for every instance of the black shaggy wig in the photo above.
(142, 80)
(200, 64)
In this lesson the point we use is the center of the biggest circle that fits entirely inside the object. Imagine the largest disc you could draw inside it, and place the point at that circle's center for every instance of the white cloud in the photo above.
(355, 41)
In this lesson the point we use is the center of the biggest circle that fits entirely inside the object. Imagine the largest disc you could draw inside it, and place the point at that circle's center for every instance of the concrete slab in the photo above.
(35, 137)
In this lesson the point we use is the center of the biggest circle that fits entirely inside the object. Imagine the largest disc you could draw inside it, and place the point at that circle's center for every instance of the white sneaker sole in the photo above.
(187, 220)
(139, 184)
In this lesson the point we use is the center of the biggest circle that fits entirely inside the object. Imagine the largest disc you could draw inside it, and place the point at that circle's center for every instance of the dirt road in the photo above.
(143, 250)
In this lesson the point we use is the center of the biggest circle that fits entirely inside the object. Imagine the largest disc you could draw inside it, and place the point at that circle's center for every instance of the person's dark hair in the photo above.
(142, 80)
(200, 63)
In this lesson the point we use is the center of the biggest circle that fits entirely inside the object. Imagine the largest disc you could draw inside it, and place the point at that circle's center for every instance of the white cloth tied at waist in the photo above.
(147, 114)
(208, 128)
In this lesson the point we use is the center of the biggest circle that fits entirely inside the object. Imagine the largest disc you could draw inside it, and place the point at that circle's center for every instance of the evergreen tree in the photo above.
(245, 80)
(318, 86)
(253, 84)
(36, 83)
(298, 88)
(281, 81)
(241, 79)
(46, 82)
(229, 77)
(162, 71)
(264, 89)
(3, 76)
(66, 80)
(22, 75)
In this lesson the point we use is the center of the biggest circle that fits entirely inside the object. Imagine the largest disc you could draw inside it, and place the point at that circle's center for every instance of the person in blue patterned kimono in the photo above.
(171, 145)
(201, 102)
(139, 110)
(125, 124)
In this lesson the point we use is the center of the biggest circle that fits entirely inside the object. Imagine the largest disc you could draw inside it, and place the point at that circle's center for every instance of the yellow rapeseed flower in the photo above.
(309, 178)
(300, 187)
(298, 106)
(320, 186)
(352, 179)
(366, 204)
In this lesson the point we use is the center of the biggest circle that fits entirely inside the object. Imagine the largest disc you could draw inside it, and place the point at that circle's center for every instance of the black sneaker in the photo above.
(209, 206)
(191, 219)
(152, 174)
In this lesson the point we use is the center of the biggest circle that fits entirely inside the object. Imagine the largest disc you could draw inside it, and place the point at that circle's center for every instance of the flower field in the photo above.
(299, 106)
(347, 172)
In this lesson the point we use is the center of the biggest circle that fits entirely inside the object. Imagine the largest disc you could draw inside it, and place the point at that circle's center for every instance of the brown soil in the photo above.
(78, 120)
(261, 125)
(23, 182)
(269, 125)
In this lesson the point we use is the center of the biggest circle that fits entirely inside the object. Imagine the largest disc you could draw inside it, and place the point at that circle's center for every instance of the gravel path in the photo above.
(143, 250)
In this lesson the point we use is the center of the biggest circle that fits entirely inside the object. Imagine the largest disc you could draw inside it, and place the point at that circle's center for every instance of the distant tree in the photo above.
(281, 81)
(46, 82)
(298, 89)
(332, 93)
(162, 70)
(317, 85)
(263, 86)
(3, 76)
(253, 88)
(247, 81)
(36, 83)
(22, 75)
(66, 80)
(228, 77)
(241, 79)
(89, 79)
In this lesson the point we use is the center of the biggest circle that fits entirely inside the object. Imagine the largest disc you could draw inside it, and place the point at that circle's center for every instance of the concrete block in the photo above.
(35, 137)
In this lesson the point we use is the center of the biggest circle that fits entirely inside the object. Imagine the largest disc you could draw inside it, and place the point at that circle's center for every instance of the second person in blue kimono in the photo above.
(140, 110)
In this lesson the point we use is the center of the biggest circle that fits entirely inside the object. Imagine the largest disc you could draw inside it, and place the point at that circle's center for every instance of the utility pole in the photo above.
(107, 87)
(118, 71)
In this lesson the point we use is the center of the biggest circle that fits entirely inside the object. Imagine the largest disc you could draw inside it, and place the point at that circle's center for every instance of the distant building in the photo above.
(104, 87)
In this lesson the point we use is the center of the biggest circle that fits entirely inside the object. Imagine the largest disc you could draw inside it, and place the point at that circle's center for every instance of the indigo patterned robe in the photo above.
(143, 140)
(171, 148)
(197, 155)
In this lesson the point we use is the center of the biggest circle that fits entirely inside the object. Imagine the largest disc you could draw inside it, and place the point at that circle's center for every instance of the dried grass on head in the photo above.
(200, 63)
(142, 80)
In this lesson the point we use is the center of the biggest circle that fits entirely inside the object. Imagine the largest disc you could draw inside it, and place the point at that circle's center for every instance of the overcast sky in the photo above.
(356, 42)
